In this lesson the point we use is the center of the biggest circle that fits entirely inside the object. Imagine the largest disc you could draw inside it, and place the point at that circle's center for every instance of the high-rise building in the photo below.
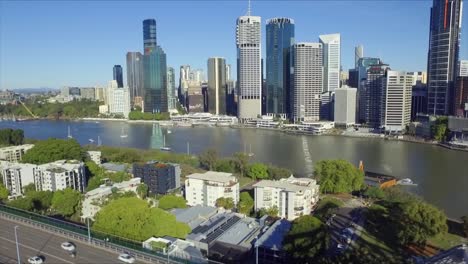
(135, 76)
(397, 101)
(119, 99)
(197, 75)
(307, 81)
(358, 53)
(461, 96)
(418, 77)
(249, 69)
(331, 45)
(327, 101)
(155, 81)
(184, 73)
(231, 106)
(444, 44)
(279, 39)
(118, 76)
(418, 100)
(149, 36)
(228, 72)
(194, 97)
(345, 106)
(217, 86)
(171, 100)
(357, 79)
(463, 68)
(371, 96)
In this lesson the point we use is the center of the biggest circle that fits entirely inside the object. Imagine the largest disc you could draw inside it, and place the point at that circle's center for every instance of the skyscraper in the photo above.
(228, 72)
(307, 81)
(331, 45)
(171, 104)
(444, 44)
(397, 101)
(249, 75)
(118, 75)
(358, 53)
(371, 101)
(135, 76)
(345, 106)
(279, 39)
(217, 86)
(149, 35)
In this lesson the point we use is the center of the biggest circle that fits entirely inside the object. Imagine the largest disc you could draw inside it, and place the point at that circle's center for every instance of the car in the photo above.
(127, 258)
(35, 260)
(68, 246)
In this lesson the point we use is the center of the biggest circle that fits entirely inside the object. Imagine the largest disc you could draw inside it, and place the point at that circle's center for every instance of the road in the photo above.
(34, 242)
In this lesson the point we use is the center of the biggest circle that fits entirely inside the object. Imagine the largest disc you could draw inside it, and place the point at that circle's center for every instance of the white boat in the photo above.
(164, 147)
(406, 181)
(123, 134)
(91, 140)
(69, 133)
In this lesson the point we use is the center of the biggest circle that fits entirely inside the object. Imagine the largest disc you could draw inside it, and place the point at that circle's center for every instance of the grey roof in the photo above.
(214, 176)
(290, 184)
(273, 237)
(455, 255)
(194, 216)
(242, 233)
(114, 167)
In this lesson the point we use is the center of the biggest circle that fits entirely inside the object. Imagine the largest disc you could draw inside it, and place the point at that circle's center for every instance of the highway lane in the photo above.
(34, 242)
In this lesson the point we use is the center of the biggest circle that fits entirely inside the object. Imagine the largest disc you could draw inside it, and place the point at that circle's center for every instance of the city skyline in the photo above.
(408, 56)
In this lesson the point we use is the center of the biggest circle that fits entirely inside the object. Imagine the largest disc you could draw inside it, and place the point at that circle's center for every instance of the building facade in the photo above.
(16, 176)
(418, 100)
(461, 97)
(60, 175)
(119, 99)
(345, 106)
(307, 81)
(88, 93)
(118, 75)
(331, 46)
(14, 153)
(155, 81)
(279, 40)
(371, 96)
(327, 102)
(135, 76)
(249, 68)
(206, 188)
(171, 92)
(217, 86)
(149, 36)
(463, 68)
(444, 45)
(293, 197)
(397, 102)
(161, 178)
(358, 54)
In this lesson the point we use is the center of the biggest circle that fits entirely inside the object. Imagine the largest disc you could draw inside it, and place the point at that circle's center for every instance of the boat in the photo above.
(123, 134)
(69, 133)
(406, 181)
(164, 147)
(91, 140)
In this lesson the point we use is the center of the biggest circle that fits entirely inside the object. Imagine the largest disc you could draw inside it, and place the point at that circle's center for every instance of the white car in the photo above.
(35, 260)
(68, 246)
(126, 258)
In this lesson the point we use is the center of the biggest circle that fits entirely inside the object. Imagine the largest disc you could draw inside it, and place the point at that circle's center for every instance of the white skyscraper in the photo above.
(463, 68)
(249, 52)
(397, 101)
(307, 81)
(331, 61)
(345, 106)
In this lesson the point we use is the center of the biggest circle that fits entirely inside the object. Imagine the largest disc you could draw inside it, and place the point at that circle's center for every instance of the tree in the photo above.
(3, 193)
(29, 188)
(65, 202)
(208, 159)
(277, 173)
(338, 176)
(171, 201)
(54, 149)
(226, 203)
(41, 200)
(24, 203)
(439, 129)
(271, 211)
(142, 190)
(133, 218)
(465, 224)
(307, 239)
(374, 193)
(10, 137)
(225, 165)
(417, 221)
(246, 203)
(241, 161)
(257, 171)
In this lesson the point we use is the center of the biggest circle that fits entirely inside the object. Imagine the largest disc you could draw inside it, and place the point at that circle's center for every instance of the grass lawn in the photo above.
(447, 241)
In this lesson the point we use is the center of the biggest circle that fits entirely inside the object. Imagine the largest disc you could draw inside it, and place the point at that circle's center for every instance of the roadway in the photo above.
(35, 242)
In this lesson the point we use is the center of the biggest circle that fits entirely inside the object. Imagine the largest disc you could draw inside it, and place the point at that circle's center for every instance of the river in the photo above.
(441, 174)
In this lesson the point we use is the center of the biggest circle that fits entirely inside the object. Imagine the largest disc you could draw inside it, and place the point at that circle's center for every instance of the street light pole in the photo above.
(17, 247)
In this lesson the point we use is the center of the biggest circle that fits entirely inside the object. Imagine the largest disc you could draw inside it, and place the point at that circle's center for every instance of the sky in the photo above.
(76, 43)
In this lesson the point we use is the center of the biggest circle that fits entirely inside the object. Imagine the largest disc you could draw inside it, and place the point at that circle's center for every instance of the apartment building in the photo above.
(206, 188)
(14, 153)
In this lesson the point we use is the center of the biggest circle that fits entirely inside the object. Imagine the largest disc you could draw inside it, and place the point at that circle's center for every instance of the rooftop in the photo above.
(273, 237)
(214, 176)
(242, 233)
(290, 184)
(455, 255)
(114, 167)
(194, 216)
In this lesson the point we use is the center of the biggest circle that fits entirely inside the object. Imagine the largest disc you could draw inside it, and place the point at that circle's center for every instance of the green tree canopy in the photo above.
(338, 176)
(241, 162)
(208, 159)
(24, 203)
(10, 137)
(226, 203)
(225, 165)
(142, 190)
(439, 129)
(42, 200)
(257, 171)
(134, 219)
(246, 203)
(307, 239)
(276, 173)
(171, 201)
(65, 202)
(53, 149)
(3, 193)
(374, 193)
(272, 211)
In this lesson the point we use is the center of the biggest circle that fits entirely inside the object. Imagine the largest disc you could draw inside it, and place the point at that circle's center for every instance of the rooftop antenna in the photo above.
(248, 9)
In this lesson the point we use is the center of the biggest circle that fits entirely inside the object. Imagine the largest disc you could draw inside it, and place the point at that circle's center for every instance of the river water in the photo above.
(441, 174)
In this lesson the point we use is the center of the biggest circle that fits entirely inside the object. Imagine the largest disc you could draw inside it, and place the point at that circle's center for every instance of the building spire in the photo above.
(248, 9)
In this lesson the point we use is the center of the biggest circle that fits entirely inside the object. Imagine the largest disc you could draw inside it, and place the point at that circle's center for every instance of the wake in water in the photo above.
(309, 170)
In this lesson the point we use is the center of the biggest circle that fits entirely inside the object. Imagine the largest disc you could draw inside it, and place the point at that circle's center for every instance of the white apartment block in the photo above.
(307, 81)
(249, 52)
(94, 156)
(293, 197)
(16, 176)
(205, 188)
(14, 153)
(345, 106)
(397, 101)
(59, 175)
(331, 45)
(119, 99)
(463, 68)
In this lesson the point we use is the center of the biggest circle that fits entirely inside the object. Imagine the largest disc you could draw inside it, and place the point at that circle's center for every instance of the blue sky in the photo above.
(76, 43)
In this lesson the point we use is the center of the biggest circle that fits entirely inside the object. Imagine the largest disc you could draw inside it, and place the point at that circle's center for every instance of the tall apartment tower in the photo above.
(118, 75)
(135, 76)
(397, 101)
(358, 53)
(171, 104)
(307, 81)
(371, 101)
(331, 61)
(217, 86)
(279, 39)
(442, 62)
(249, 68)
(149, 35)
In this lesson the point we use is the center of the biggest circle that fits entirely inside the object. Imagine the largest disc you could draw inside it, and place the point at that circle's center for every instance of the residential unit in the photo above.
(59, 175)
(161, 178)
(345, 106)
(206, 188)
(14, 153)
(16, 176)
(293, 197)
(94, 156)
